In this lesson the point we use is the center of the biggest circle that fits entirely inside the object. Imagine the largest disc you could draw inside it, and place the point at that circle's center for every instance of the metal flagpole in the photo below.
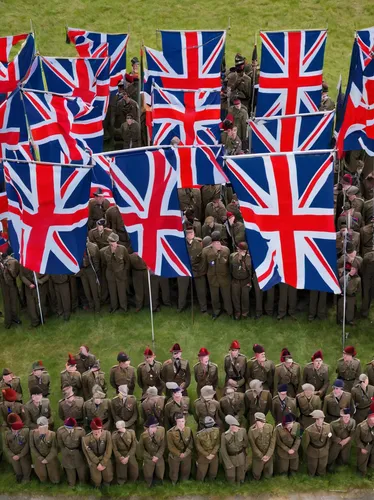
(151, 306)
(344, 334)
(192, 308)
(40, 304)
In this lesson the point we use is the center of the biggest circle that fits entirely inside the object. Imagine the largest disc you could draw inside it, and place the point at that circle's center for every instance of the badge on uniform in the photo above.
(212, 263)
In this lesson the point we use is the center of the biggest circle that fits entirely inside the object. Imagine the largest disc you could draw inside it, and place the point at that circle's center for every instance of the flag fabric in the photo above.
(193, 116)
(48, 213)
(339, 108)
(291, 72)
(288, 208)
(101, 177)
(88, 127)
(310, 131)
(93, 44)
(12, 73)
(3, 198)
(357, 127)
(148, 202)
(6, 44)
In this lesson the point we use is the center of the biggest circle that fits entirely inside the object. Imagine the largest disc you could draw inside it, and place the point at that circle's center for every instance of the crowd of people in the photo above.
(109, 440)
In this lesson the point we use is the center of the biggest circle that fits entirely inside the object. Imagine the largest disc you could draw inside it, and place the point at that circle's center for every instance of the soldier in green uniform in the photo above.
(241, 280)
(180, 446)
(85, 359)
(366, 237)
(98, 407)
(234, 208)
(207, 406)
(282, 404)
(123, 373)
(97, 447)
(177, 404)
(190, 199)
(369, 370)
(367, 282)
(151, 450)
(206, 372)
(349, 368)
(233, 404)
(353, 289)
(235, 365)
(307, 402)
(71, 375)
(207, 443)
(210, 226)
(10, 381)
(364, 439)
(316, 444)
(216, 209)
(327, 104)
(362, 397)
(317, 374)
(93, 376)
(9, 271)
(62, 290)
(69, 439)
(124, 450)
(9, 405)
(43, 446)
(256, 400)
(262, 438)
(261, 368)
(100, 234)
(233, 144)
(97, 207)
(335, 401)
(176, 370)
(71, 406)
(89, 274)
(234, 444)
(343, 431)
(39, 377)
(287, 439)
(17, 448)
(240, 116)
(38, 407)
(191, 220)
(149, 372)
(125, 407)
(287, 301)
(346, 235)
(288, 372)
(139, 273)
(153, 405)
(32, 280)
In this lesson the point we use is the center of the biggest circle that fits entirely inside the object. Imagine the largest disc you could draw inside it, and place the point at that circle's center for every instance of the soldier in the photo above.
(125, 407)
(130, 132)
(151, 450)
(241, 280)
(9, 405)
(367, 282)
(207, 406)
(327, 104)
(307, 402)
(353, 288)
(38, 407)
(234, 444)
(317, 305)
(287, 301)
(10, 381)
(364, 438)
(98, 407)
(17, 448)
(343, 431)
(97, 207)
(362, 397)
(97, 447)
(190, 199)
(366, 237)
(336, 400)
(233, 404)
(114, 221)
(180, 446)
(39, 377)
(206, 372)
(344, 236)
(288, 372)
(36, 286)
(153, 405)
(71, 375)
(316, 444)
(190, 220)
(69, 439)
(176, 370)
(235, 365)
(234, 208)
(89, 274)
(62, 290)
(349, 368)
(93, 376)
(139, 272)
(207, 442)
(257, 400)
(216, 258)
(123, 373)
(233, 144)
(149, 372)
(71, 406)
(85, 360)
(261, 368)
(317, 374)
(356, 203)
(159, 283)
(282, 404)
(9, 271)
(100, 234)
(216, 209)
(43, 446)
(262, 440)
(287, 437)
(177, 404)
(240, 116)
(124, 450)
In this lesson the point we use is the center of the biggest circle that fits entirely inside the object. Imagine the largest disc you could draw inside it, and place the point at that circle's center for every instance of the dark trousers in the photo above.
(91, 288)
(287, 300)
(317, 304)
(184, 286)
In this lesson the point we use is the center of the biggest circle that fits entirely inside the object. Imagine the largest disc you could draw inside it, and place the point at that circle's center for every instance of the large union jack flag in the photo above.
(288, 208)
(3, 198)
(291, 72)
(311, 131)
(148, 201)
(93, 44)
(357, 127)
(101, 177)
(6, 44)
(48, 213)
(193, 116)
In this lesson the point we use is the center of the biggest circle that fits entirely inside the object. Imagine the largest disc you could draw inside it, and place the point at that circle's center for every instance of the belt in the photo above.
(71, 449)
(234, 454)
(317, 447)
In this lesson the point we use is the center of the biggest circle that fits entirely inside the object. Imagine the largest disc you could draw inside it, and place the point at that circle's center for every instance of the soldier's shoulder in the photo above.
(140, 365)
(278, 365)
(61, 400)
(167, 362)
(63, 371)
(196, 365)
(275, 398)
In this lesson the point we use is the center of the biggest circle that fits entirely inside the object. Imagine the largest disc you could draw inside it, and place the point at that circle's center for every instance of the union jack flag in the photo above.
(193, 116)
(189, 60)
(3, 199)
(6, 44)
(291, 72)
(11, 74)
(93, 44)
(101, 177)
(148, 201)
(48, 213)
(305, 132)
(357, 127)
(288, 208)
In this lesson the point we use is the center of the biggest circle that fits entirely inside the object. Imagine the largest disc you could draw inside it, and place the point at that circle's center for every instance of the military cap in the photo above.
(216, 236)
(176, 348)
(13, 417)
(230, 420)
(173, 387)
(70, 423)
(203, 352)
(96, 424)
(42, 421)
(71, 360)
(98, 192)
(239, 59)
(96, 365)
(260, 416)
(282, 388)
(352, 190)
(234, 345)
(207, 392)
(209, 422)
(134, 60)
(9, 395)
(287, 419)
(317, 355)
(236, 101)
(285, 354)
(308, 387)
(345, 411)
(148, 352)
(97, 392)
(347, 179)
(151, 420)
(121, 83)
(35, 390)
(207, 240)
(363, 377)
(178, 416)
(122, 356)
(38, 365)
(317, 414)
(338, 383)
(230, 390)
(113, 238)
(120, 424)
(229, 214)
(123, 389)
(242, 245)
(255, 384)
(189, 228)
(258, 349)
(350, 350)
(152, 391)
(100, 222)
(7, 371)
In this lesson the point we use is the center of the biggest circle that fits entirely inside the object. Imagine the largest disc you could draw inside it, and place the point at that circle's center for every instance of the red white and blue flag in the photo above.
(288, 208)
(7, 43)
(47, 215)
(93, 44)
(291, 72)
(101, 177)
(148, 202)
(3, 198)
(311, 131)
(193, 116)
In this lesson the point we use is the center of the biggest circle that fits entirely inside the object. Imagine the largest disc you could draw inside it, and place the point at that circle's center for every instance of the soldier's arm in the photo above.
(325, 407)
(108, 450)
(14, 268)
(50, 419)
(161, 449)
(188, 376)
(60, 442)
(215, 378)
(359, 443)
(26, 449)
(90, 456)
(132, 449)
(255, 451)
(271, 448)
(104, 386)
(25, 280)
(7, 450)
(171, 446)
(352, 430)
(134, 417)
(224, 455)
(305, 440)
(60, 412)
(139, 376)
(112, 379)
(200, 449)
(334, 438)
(297, 442)
(53, 451)
(195, 412)
(110, 419)
(44, 279)
(190, 446)
(27, 420)
(280, 443)
(116, 453)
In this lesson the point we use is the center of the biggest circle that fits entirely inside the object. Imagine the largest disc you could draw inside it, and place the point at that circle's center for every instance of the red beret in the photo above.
(230, 214)
(317, 355)
(70, 422)
(236, 101)
(71, 360)
(235, 345)
(148, 352)
(258, 349)
(96, 424)
(203, 352)
(284, 352)
(12, 418)
(17, 426)
(176, 348)
(350, 350)
(10, 395)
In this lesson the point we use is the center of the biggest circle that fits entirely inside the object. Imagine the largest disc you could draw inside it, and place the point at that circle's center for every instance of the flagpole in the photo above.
(39, 302)
(151, 306)
(46, 163)
(348, 222)
(192, 308)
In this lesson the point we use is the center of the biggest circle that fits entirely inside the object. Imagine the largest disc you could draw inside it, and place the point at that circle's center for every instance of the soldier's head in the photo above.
(370, 419)
(67, 390)
(123, 360)
(126, 96)
(84, 349)
(151, 392)
(149, 356)
(337, 388)
(232, 423)
(176, 391)
(9, 395)
(348, 353)
(207, 240)
(216, 240)
(7, 375)
(71, 364)
(242, 248)
(259, 352)
(318, 416)
(230, 217)
(345, 415)
(129, 119)
(70, 423)
(42, 423)
(113, 239)
(100, 224)
(36, 395)
(308, 390)
(260, 420)
(203, 356)
(123, 390)
(286, 357)
(207, 392)
(180, 421)
(151, 425)
(96, 427)
(208, 422)
(190, 232)
(216, 199)
(364, 380)
(234, 348)
(176, 351)
(256, 385)
(15, 422)
(209, 221)
(352, 192)
(325, 89)
(232, 132)
(99, 196)
(135, 64)
(282, 391)
(230, 392)
(237, 103)
(121, 426)
(37, 368)
(287, 421)
(96, 366)
(121, 86)
(97, 394)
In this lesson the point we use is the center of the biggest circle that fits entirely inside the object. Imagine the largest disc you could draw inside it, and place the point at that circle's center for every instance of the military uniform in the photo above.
(259, 296)
(364, 438)
(115, 222)
(233, 404)
(262, 442)
(287, 440)
(159, 283)
(264, 373)
(17, 444)
(96, 211)
(236, 369)
(233, 146)
(217, 263)
(43, 382)
(217, 211)
(125, 409)
(72, 410)
(153, 406)
(152, 446)
(205, 375)
(208, 408)
(180, 373)
(366, 239)
(179, 442)
(234, 455)
(207, 442)
(150, 376)
(241, 282)
(130, 134)
(332, 405)
(318, 378)
(74, 379)
(139, 274)
(352, 237)
(99, 451)
(122, 376)
(72, 458)
(117, 264)
(316, 444)
(33, 310)
(280, 408)
(306, 407)
(195, 249)
(172, 407)
(91, 378)
(62, 289)
(349, 372)
(367, 283)
(7, 407)
(33, 412)
(124, 446)
(190, 199)
(340, 431)
(255, 403)
(15, 384)
(361, 400)
(100, 238)
(89, 274)
(84, 363)
(9, 271)
(206, 230)
(290, 376)
(44, 447)
(353, 289)
(103, 411)
(196, 224)
(287, 300)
